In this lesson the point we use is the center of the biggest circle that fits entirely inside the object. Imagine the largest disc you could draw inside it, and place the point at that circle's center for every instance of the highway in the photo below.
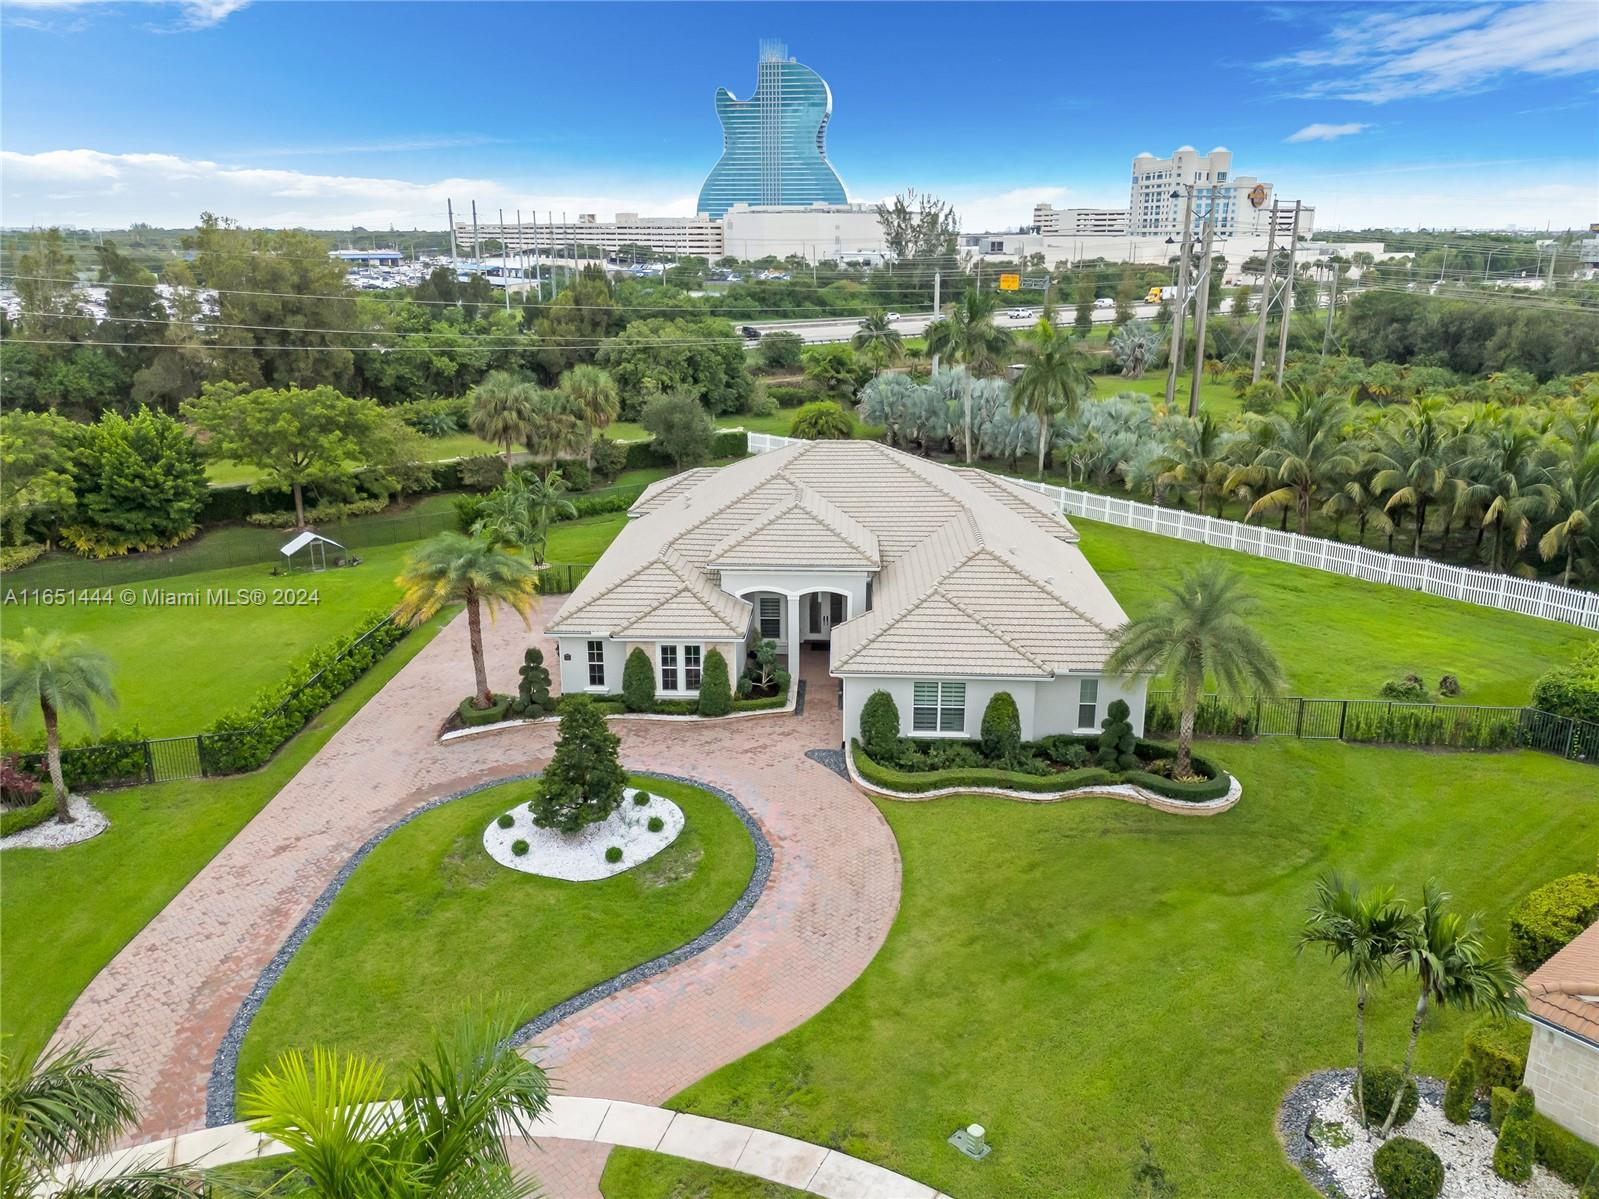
(915, 324)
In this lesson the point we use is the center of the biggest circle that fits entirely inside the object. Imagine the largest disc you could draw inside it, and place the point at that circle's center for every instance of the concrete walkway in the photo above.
(164, 1003)
(811, 1169)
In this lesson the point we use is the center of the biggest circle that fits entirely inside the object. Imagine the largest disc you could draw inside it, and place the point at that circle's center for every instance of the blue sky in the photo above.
(334, 114)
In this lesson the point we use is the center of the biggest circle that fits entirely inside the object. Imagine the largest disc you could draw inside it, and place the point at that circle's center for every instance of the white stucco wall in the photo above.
(1563, 1073)
(574, 670)
(1045, 706)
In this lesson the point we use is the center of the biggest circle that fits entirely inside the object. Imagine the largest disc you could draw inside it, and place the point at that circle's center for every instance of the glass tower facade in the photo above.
(774, 145)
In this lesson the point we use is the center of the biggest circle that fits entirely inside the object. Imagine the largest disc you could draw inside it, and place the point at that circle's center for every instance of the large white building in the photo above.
(1242, 202)
(676, 236)
(1074, 222)
(815, 232)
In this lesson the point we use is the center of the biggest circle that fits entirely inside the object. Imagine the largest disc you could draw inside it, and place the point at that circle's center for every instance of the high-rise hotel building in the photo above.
(1242, 202)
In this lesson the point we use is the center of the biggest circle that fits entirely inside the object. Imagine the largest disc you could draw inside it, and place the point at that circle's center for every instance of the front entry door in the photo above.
(823, 616)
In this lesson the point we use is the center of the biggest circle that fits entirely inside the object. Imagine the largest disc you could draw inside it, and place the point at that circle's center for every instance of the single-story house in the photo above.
(939, 585)
(1563, 1060)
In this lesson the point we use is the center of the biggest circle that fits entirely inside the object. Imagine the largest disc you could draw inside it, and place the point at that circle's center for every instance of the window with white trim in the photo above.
(668, 667)
(1088, 704)
(938, 708)
(771, 617)
(596, 663)
(691, 668)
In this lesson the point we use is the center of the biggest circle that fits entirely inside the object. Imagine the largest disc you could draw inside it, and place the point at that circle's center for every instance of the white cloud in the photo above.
(1400, 54)
(1321, 132)
(191, 14)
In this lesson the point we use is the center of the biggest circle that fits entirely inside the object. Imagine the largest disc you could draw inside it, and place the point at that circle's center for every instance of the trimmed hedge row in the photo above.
(121, 759)
(725, 443)
(1497, 1049)
(1544, 921)
(18, 820)
(614, 705)
(1560, 1151)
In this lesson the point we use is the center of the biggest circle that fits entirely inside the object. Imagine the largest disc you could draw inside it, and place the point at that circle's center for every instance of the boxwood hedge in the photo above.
(1544, 921)
(16, 820)
(1560, 1151)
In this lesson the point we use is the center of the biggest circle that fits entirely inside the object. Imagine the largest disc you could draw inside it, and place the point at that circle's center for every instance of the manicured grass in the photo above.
(1343, 638)
(586, 539)
(69, 911)
(1215, 398)
(222, 472)
(1094, 972)
(429, 923)
(631, 1172)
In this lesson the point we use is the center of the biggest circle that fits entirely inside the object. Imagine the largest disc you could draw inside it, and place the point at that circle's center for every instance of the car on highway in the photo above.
(1104, 302)
(893, 316)
(751, 333)
(1023, 314)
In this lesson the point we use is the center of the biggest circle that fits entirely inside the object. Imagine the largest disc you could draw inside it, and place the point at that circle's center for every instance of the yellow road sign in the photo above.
(1010, 283)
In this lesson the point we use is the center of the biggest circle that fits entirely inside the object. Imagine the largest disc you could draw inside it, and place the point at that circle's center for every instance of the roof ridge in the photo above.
(891, 619)
(612, 586)
(980, 619)
(1047, 588)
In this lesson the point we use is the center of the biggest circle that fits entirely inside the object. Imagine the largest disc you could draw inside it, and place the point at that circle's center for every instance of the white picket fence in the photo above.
(1530, 597)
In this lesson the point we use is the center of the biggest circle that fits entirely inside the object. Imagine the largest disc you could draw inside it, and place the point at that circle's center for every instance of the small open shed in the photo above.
(315, 547)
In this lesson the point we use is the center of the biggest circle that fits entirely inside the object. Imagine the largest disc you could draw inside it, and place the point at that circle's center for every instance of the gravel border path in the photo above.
(87, 821)
(220, 1087)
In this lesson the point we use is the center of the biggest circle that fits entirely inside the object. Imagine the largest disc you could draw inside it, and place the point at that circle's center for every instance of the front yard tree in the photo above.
(452, 569)
(681, 428)
(59, 673)
(583, 782)
(294, 436)
(1199, 630)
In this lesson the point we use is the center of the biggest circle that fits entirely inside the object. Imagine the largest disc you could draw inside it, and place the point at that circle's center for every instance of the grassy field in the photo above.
(429, 923)
(224, 473)
(1215, 398)
(1095, 972)
(69, 911)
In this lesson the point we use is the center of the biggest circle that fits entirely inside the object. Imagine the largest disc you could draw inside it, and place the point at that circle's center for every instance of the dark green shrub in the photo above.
(656, 824)
(1407, 1169)
(519, 847)
(641, 798)
(730, 443)
(1573, 689)
(473, 717)
(1065, 750)
(792, 397)
(822, 421)
(610, 458)
(880, 726)
(1558, 1150)
(583, 782)
(638, 682)
(1117, 742)
(613, 855)
(1497, 1048)
(468, 511)
(1002, 729)
(1460, 1091)
(1197, 791)
(1410, 689)
(1546, 920)
(1514, 1152)
(1379, 1085)
(18, 820)
(506, 820)
(579, 475)
(482, 473)
(716, 690)
(533, 692)
(780, 350)
(892, 779)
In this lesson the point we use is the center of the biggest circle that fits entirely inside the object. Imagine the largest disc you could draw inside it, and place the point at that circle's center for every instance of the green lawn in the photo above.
(1215, 398)
(631, 1172)
(69, 911)
(1095, 972)
(429, 922)
(223, 473)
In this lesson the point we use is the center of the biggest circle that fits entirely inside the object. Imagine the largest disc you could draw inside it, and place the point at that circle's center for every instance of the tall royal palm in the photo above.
(1573, 509)
(58, 673)
(501, 410)
(1417, 461)
(1052, 383)
(593, 397)
(452, 569)
(879, 341)
(967, 335)
(1361, 931)
(1303, 455)
(1200, 630)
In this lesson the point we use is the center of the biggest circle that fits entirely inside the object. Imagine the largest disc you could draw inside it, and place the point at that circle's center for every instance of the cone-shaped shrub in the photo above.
(1002, 729)
(1460, 1089)
(880, 727)
(716, 689)
(1513, 1155)
(583, 782)
(638, 682)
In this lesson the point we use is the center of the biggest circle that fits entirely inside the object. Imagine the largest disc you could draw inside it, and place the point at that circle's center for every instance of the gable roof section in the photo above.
(1022, 500)
(661, 491)
(938, 624)
(806, 531)
(655, 594)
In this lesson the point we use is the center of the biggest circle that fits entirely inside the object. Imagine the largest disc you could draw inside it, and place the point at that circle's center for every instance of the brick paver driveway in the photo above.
(162, 1005)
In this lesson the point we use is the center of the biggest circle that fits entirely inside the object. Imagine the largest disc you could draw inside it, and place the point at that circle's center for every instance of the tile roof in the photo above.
(972, 570)
(1564, 991)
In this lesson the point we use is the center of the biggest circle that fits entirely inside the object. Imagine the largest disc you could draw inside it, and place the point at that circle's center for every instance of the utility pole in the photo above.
(449, 209)
(505, 277)
(521, 254)
(1265, 294)
(477, 251)
(1202, 305)
(938, 280)
(1332, 307)
(1177, 329)
(1288, 297)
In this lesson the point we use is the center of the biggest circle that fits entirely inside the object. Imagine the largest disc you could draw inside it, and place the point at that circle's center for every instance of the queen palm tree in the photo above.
(1452, 968)
(441, 1134)
(502, 410)
(1052, 383)
(967, 335)
(879, 341)
(1302, 455)
(1416, 459)
(1506, 476)
(1573, 507)
(451, 569)
(593, 396)
(1200, 629)
(60, 673)
(1362, 932)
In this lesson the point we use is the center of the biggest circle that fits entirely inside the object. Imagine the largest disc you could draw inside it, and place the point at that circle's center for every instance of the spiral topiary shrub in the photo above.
(1379, 1085)
(1460, 1090)
(1407, 1169)
(613, 854)
(1118, 741)
(1515, 1151)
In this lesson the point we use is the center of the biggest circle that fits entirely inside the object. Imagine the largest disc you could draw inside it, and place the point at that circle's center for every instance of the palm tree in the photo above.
(1506, 476)
(61, 1107)
(1303, 455)
(968, 335)
(546, 503)
(1199, 456)
(59, 673)
(518, 513)
(556, 427)
(1415, 458)
(451, 569)
(1363, 932)
(593, 397)
(879, 341)
(502, 409)
(1052, 382)
(1574, 509)
(441, 1135)
(1134, 347)
(1453, 969)
(1201, 628)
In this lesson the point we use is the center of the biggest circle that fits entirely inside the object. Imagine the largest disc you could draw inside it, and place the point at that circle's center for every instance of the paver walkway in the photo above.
(162, 1005)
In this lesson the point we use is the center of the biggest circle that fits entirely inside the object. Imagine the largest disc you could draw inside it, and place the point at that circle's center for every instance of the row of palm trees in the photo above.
(509, 410)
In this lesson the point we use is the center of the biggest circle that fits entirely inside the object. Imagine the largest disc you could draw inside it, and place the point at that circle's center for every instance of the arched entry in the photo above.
(796, 618)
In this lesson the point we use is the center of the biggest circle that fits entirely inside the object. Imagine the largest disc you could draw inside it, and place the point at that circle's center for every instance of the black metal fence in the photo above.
(1382, 722)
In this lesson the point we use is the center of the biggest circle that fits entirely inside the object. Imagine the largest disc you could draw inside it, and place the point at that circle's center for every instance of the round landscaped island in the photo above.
(642, 825)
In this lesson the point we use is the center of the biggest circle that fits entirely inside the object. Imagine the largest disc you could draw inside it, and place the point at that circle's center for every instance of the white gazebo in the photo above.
(315, 546)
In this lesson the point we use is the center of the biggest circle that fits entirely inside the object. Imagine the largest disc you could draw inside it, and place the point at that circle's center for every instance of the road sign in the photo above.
(1010, 283)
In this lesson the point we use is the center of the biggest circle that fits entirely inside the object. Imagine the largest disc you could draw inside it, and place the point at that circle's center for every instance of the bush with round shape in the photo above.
(822, 421)
(1117, 742)
(506, 820)
(656, 824)
(1460, 1090)
(641, 798)
(519, 847)
(1378, 1086)
(1407, 1169)
(638, 682)
(1549, 917)
(880, 727)
(613, 855)
(1516, 1149)
(1002, 729)
(716, 689)
(582, 785)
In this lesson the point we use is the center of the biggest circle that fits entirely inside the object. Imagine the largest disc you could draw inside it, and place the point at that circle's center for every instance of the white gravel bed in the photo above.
(580, 857)
(87, 821)
(1466, 1150)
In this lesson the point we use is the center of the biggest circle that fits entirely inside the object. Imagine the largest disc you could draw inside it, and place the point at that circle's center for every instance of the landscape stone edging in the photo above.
(1293, 1121)
(220, 1087)
(1127, 791)
(795, 706)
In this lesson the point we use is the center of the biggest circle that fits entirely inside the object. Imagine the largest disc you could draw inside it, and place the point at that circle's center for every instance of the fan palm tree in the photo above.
(1134, 347)
(1302, 456)
(451, 569)
(1416, 461)
(1201, 628)
(441, 1135)
(1452, 968)
(61, 1107)
(967, 335)
(557, 427)
(1574, 509)
(1362, 932)
(59, 673)
(501, 410)
(1506, 476)
(879, 341)
(1052, 383)
(593, 396)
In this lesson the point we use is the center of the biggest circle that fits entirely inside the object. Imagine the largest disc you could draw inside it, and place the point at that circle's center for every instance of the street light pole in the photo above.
(1182, 298)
